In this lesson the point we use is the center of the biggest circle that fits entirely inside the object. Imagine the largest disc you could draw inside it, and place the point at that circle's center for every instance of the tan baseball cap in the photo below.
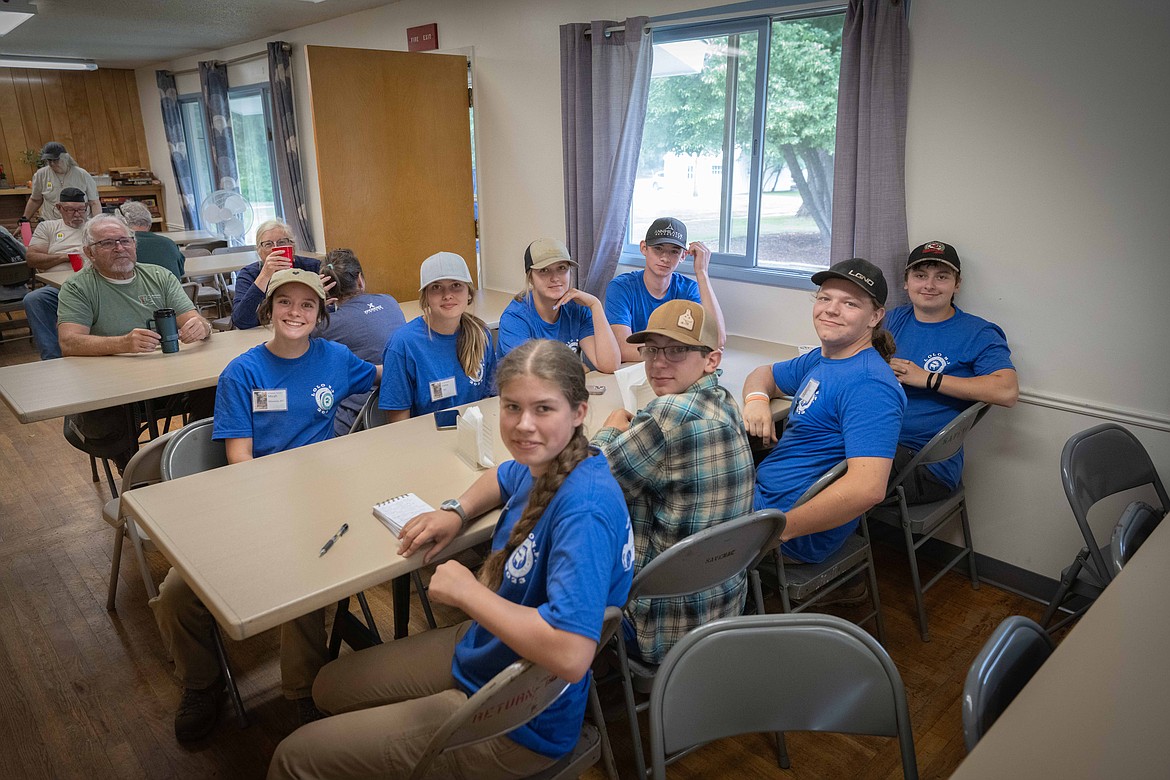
(543, 252)
(684, 321)
(300, 275)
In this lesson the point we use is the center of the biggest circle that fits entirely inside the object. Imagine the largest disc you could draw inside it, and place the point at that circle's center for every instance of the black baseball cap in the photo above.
(934, 252)
(71, 195)
(861, 272)
(667, 230)
(52, 150)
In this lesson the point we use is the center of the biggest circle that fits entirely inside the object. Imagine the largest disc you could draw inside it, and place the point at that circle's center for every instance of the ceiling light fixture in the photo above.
(14, 13)
(47, 63)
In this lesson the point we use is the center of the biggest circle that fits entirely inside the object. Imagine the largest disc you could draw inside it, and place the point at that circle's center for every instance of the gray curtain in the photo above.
(217, 117)
(605, 80)
(288, 149)
(177, 144)
(869, 180)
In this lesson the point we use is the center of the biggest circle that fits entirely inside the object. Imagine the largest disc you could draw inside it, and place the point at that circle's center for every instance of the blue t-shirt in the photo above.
(848, 408)
(963, 345)
(578, 560)
(364, 323)
(416, 361)
(520, 322)
(310, 385)
(629, 303)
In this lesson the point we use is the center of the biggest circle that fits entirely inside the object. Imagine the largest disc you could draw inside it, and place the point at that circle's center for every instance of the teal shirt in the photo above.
(108, 308)
(160, 250)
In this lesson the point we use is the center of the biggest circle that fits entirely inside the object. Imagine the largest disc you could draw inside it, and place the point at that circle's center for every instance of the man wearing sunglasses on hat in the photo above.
(252, 280)
(684, 464)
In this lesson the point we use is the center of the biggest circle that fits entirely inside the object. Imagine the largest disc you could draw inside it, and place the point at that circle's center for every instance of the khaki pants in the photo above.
(186, 625)
(387, 702)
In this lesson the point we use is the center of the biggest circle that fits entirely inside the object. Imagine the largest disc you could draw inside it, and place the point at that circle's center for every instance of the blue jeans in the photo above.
(40, 307)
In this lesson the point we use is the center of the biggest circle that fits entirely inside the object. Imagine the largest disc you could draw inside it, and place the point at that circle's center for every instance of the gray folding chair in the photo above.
(922, 522)
(1137, 522)
(14, 279)
(145, 468)
(515, 696)
(371, 416)
(226, 250)
(191, 450)
(803, 586)
(776, 673)
(695, 564)
(1009, 658)
(1095, 464)
(206, 247)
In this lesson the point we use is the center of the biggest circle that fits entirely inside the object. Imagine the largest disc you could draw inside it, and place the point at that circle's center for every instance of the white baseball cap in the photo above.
(443, 265)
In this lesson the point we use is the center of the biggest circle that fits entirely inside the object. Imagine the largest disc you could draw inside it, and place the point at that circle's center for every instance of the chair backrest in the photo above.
(767, 673)
(192, 450)
(1098, 463)
(226, 250)
(710, 557)
(369, 413)
(826, 479)
(1137, 522)
(945, 443)
(513, 697)
(195, 251)
(15, 273)
(1009, 658)
(209, 246)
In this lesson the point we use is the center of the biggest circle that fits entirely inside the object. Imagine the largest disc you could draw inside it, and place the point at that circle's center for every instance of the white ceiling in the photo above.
(134, 33)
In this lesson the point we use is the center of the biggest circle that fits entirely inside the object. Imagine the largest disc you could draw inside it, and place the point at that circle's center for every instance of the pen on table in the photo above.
(340, 533)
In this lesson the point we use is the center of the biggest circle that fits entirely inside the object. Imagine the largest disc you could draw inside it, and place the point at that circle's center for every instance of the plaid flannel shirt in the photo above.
(684, 465)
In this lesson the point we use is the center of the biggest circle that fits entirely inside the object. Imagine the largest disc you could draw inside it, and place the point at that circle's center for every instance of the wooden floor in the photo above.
(88, 693)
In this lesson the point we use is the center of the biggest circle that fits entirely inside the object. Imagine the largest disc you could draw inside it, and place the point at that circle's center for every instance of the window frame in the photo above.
(724, 265)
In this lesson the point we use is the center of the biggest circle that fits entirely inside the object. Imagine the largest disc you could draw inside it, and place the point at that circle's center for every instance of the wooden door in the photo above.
(393, 141)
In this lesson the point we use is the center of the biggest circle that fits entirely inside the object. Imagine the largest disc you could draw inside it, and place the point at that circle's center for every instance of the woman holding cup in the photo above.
(276, 249)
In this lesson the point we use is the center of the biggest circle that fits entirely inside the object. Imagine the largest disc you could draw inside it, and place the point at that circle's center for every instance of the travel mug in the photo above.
(165, 325)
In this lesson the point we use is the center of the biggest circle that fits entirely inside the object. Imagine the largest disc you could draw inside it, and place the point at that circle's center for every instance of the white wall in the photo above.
(1036, 144)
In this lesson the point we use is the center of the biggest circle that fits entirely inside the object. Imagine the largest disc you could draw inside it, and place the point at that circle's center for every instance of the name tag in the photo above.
(809, 392)
(270, 400)
(444, 388)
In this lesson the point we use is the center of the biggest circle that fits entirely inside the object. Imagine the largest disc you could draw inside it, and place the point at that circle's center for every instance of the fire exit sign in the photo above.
(422, 38)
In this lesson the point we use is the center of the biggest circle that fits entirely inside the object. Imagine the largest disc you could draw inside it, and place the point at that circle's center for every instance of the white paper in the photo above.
(634, 388)
(475, 443)
(398, 511)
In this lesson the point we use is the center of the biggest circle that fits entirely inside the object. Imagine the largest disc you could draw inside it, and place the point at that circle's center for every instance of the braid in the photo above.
(543, 490)
(883, 341)
(556, 363)
(471, 345)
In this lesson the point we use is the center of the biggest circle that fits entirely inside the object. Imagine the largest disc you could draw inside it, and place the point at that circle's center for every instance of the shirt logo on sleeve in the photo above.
(936, 363)
(522, 560)
(323, 395)
(628, 547)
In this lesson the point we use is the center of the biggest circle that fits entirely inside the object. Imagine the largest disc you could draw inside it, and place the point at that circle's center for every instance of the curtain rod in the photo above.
(233, 61)
(778, 11)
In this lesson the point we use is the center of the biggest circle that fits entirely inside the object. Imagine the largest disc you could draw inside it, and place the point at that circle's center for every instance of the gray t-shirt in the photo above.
(48, 185)
(364, 323)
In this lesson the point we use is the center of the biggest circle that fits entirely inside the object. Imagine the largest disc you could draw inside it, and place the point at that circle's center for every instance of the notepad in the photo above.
(398, 511)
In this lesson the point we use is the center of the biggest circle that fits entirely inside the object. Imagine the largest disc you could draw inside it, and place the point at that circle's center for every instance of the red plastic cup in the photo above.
(76, 261)
(286, 251)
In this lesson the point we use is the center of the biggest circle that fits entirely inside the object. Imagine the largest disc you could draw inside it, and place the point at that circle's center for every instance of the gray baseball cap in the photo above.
(443, 265)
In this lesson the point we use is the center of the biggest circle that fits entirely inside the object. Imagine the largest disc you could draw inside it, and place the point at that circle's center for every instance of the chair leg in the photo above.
(422, 597)
(140, 554)
(93, 468)
(782, 751)
(1066, 582)
(115, 565)
(226, 668)
(876, 600)
(970, 547)
(916, 579)
(757, 591)
(110, 478)
(599, 720)
(631, 706)
(369, 616)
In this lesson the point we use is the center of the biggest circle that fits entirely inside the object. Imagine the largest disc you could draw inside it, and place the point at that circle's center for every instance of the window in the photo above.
(252, 135)
(739, 139)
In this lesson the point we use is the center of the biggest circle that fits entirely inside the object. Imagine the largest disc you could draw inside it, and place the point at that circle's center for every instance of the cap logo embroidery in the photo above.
(862, 277)
(934, 247)
(686, 321)
(669, 233)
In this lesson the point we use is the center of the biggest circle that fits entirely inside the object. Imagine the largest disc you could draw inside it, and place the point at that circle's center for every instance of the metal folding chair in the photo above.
(922, 522)
(776, 673)
(1137, 522)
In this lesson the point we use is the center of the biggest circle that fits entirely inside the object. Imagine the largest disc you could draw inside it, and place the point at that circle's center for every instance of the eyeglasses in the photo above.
(674, 354)
(110, 243)
(278, 242)
(72, 206)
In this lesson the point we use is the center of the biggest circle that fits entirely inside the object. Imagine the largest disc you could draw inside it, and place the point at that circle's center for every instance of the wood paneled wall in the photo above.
(94, 113)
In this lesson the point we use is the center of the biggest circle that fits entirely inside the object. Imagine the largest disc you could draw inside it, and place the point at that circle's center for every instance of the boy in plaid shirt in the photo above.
(684, 464)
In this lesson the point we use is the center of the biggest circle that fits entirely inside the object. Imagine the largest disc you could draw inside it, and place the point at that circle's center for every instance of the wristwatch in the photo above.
(453, 505)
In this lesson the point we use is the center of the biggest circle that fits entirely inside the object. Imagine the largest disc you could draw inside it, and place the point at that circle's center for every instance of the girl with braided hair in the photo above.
(562, 552)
